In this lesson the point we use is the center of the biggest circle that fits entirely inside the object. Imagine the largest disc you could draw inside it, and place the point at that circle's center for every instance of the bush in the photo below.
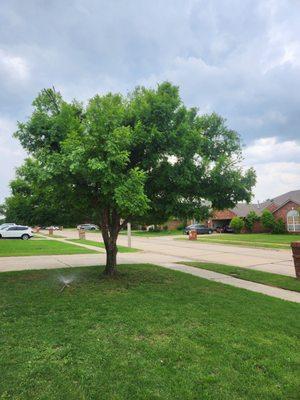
(237, 224)
(271, 224)
(165, 227)
(279, 226)
(181, 227)
(250, 219)
(268, 220)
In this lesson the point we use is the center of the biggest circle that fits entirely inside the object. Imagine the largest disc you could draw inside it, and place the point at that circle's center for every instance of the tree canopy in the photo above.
(126, 158)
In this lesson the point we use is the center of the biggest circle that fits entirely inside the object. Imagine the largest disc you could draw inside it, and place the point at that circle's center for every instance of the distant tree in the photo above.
(237, 223)
(268, 220)
(141, 157)
(250, 220)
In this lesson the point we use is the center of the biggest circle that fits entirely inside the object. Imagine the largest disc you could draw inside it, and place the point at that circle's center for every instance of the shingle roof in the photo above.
(294, 195)
(242, 209)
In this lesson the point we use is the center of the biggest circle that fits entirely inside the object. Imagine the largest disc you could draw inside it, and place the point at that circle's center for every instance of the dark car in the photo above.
(224, 229)
(200, 229)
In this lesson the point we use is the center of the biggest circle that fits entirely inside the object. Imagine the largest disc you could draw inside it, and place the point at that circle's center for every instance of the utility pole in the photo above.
(129, 234)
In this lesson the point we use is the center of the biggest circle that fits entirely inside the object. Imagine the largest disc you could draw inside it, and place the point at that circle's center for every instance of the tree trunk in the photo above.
(111, 256)
(110, 226)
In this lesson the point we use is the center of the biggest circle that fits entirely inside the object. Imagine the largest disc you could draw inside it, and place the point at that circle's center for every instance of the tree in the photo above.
(268, 220)
(33, 203)
(141, 157)
(237, 223)
(250, 219)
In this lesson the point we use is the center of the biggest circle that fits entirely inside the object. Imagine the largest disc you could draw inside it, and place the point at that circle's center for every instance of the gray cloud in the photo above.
(238, 58)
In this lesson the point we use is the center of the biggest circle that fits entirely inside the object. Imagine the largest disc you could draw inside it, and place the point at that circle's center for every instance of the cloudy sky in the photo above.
(238, 58)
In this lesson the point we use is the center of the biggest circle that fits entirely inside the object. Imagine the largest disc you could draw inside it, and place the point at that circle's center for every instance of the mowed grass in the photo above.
(121, 249)
(266, 240)
(153, 234)
(150, 333)
(52, 236)
(17, 247)
(267, 278)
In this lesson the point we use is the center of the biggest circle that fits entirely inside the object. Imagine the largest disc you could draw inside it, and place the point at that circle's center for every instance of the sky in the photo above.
(240, 59)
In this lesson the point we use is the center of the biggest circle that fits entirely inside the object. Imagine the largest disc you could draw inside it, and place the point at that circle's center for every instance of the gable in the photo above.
(224, 214)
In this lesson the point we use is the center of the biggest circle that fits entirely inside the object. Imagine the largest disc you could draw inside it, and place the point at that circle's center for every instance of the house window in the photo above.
(293, 221)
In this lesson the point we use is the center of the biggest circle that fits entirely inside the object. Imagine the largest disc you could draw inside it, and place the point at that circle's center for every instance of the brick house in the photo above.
(285, 206)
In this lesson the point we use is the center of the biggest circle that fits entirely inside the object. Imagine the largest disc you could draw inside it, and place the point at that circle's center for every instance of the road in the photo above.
(167, 249)
(173, 250)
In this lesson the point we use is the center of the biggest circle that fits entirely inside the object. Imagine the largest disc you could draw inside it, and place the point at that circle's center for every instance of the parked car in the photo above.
(224, 229)
(88, 227)
(6, 225)
(16, 232)
(201, 229)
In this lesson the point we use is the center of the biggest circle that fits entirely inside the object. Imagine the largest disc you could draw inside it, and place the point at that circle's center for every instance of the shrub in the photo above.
(279, 226)
(181, 227)
(250, 219)
(268, 220)
(165, 227)
(237, 224)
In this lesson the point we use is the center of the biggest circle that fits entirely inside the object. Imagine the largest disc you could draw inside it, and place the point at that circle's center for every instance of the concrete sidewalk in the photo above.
(79, 260)
(168, 253)
(240, 283)
(268, 260)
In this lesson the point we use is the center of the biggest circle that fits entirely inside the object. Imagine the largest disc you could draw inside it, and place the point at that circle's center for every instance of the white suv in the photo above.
(6, 225)
(16, 232)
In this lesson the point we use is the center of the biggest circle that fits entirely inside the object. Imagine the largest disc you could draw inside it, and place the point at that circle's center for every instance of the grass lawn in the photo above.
(17, 247)
(121, 249)
(152, 234)
(267, 278)
(150, 333)
(46, 234)
(267, 240)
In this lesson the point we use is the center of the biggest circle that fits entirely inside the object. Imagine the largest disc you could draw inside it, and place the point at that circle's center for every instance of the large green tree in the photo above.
(146, 155)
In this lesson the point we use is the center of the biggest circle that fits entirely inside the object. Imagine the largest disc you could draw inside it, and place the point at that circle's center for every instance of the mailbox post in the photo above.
(296, 255)
(193, 235)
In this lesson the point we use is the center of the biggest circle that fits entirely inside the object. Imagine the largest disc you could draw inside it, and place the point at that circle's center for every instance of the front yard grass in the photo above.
(39, 234)
(264, 240)
(17, 247)
(121, 249)
(149, 333)
(267, 278)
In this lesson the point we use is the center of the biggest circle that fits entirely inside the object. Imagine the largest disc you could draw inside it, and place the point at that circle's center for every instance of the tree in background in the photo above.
(141, 157)
(237, 223)
(268, 220)
(250, 220)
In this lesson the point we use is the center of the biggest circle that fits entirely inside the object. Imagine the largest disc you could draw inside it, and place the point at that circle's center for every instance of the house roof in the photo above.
(242, 209)
(294, 195)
